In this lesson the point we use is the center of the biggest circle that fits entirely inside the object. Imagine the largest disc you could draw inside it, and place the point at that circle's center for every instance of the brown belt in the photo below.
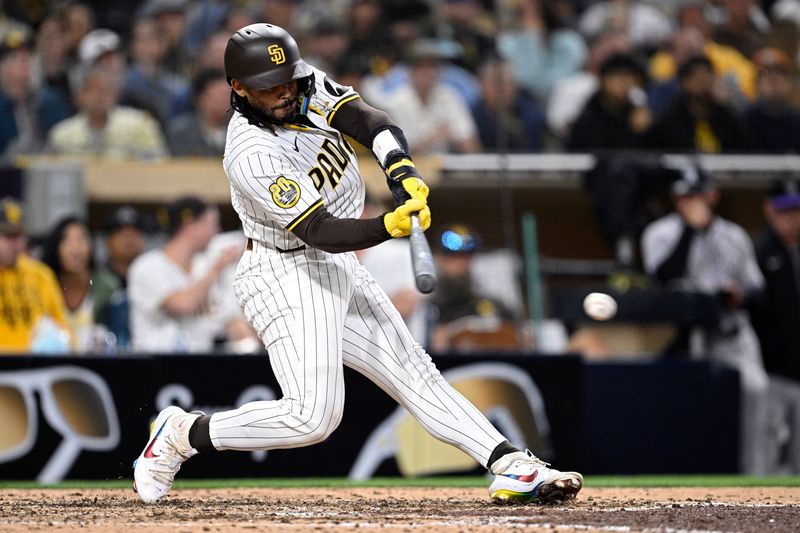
(281, 250)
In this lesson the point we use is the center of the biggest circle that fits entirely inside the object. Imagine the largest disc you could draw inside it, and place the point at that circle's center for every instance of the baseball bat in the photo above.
(421, 258)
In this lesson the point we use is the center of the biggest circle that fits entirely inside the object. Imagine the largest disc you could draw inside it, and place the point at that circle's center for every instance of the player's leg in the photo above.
(378, 345)
(297, 304)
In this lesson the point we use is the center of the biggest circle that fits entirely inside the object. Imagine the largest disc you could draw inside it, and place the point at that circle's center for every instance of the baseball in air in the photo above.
(600, 306)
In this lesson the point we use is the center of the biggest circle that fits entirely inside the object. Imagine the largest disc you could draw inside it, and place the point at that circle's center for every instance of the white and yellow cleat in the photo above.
(167, 448)
(521, 477)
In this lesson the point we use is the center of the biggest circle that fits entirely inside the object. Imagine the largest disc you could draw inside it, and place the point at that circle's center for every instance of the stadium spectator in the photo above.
(29, 291)
(741, 24)
(124, 232)
(693, 249)
(569, 96)
(202, 132)
(169, 19)
(697, 120)
(68, 251)
(616, 117)
(104, 128)
(542, 49)
(170, 307)
(507, 119)
(773, 123)
(433, 117)
(778, 252)
(731, 67)
(77, 20)
(148, 85)
(465, 315)
(684, 44)
(326, 44)
(26, 114)
(775, 319)
(369, 40)
(49, 67)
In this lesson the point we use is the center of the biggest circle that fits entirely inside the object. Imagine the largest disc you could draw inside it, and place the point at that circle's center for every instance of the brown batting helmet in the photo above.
(262, 56)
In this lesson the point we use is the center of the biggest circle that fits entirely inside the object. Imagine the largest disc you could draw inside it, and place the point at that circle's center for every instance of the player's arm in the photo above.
(318, 228)
(376, 130)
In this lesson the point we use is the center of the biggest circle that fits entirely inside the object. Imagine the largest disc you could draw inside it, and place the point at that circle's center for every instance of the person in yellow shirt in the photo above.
(28, 288)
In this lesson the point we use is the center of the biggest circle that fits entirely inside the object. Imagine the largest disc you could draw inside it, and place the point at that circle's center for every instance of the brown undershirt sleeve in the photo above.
(322, 230)
(361, 121)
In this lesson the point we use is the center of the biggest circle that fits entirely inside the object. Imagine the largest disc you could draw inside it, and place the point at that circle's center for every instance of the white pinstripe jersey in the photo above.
(279, 178)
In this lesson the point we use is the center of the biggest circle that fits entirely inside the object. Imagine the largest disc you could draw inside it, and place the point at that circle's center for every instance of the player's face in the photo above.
(278, 104)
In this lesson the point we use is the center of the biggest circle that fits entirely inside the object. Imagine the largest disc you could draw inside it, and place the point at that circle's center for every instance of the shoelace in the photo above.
(535, 460)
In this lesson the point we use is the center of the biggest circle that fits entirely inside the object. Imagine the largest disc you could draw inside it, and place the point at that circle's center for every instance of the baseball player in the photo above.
(296, 186)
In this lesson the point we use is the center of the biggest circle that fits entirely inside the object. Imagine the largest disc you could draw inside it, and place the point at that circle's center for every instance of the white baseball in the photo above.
(600, 306)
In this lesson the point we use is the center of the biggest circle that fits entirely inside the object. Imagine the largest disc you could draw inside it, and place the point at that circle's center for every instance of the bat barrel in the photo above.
(421, 258)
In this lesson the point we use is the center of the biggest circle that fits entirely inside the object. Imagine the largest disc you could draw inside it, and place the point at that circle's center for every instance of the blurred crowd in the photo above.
(144, 79)
(140, 284)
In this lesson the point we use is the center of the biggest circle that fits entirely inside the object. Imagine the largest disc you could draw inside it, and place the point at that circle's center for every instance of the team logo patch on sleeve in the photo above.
(285, 192)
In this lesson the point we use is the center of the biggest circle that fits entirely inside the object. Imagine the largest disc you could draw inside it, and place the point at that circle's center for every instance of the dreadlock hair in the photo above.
(253, 115)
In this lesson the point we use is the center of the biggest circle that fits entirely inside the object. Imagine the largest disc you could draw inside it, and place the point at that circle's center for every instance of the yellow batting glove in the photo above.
(398, 222)
(416, 188)
(405, 173)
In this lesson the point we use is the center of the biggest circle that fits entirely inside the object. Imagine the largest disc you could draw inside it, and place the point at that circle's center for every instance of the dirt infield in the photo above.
(395, 509)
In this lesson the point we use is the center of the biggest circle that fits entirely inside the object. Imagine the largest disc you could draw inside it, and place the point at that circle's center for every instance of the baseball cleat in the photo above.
(167, 448)
(521, 477)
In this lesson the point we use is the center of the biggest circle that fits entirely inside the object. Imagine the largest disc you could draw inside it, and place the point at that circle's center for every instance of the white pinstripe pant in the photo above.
(315, 312)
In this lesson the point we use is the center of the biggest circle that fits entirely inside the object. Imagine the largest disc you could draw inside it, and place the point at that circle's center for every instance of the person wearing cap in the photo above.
(101, 47)
(616, 116)
(459, 305)
(778, 252)
(26, 115)
(171, 311)
(29, 291)
(124, 231)
(776, 319)
(773, 122)
(694, 250)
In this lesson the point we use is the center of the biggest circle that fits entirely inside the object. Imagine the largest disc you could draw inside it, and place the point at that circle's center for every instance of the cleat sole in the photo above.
(553, 492)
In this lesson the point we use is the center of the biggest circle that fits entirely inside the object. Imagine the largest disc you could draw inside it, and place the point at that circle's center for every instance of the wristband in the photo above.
(388, 144)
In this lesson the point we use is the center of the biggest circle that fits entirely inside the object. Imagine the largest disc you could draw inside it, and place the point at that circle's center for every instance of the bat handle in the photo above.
(421, 258)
